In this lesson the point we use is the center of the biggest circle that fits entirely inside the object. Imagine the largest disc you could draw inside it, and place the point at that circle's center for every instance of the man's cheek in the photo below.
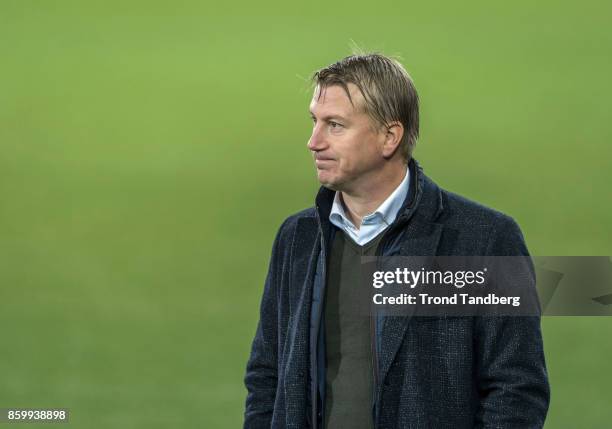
(344, 165)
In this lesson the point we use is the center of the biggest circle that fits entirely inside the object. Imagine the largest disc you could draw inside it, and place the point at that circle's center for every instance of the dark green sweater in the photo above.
(349, 376)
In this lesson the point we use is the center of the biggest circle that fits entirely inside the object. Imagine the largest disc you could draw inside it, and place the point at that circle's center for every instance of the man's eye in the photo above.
(334, 124)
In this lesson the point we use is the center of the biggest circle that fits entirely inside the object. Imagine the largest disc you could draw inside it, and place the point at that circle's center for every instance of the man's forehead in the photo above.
(335, 96)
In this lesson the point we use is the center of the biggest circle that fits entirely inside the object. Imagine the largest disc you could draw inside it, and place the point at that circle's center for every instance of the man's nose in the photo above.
(317, 140)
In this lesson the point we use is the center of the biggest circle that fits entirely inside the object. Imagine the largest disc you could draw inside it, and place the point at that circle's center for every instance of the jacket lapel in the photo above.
(421, 239)
(304, 252)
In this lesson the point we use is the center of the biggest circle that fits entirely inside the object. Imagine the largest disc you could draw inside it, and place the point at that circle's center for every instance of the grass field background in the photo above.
(150, 150)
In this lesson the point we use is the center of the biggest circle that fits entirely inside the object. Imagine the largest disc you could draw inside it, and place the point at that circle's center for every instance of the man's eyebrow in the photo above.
(328, 117)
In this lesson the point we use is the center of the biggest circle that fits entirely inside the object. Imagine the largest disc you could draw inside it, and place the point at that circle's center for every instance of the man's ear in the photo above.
(394, 131)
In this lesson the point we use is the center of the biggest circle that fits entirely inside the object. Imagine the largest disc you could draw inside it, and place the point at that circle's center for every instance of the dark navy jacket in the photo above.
(429, 372)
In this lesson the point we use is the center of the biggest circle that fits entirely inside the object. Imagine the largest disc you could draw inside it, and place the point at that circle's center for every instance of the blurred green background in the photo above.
(150, 150)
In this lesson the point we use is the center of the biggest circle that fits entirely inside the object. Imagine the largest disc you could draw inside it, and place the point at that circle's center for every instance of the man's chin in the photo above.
(327, 182)
(330, 185)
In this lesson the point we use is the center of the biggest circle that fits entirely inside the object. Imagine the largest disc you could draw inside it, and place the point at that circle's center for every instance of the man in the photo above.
(314, 361)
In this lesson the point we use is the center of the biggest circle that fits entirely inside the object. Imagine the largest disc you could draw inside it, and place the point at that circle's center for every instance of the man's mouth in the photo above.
(320, 162)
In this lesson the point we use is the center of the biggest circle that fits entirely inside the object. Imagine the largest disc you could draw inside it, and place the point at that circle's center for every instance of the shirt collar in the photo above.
(386, 212)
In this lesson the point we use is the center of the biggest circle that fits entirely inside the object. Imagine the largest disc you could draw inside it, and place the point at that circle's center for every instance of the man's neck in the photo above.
(357, 205)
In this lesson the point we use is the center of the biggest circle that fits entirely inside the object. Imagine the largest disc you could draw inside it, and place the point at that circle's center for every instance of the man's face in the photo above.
(345, 143)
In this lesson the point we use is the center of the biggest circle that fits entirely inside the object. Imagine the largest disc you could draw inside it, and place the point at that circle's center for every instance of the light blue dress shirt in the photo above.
(374, 223)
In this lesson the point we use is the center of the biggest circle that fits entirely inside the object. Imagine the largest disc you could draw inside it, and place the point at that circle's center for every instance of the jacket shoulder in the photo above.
(289, 225)
(292, 220)
(464, 211)
(309, 212)
(497, 231)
